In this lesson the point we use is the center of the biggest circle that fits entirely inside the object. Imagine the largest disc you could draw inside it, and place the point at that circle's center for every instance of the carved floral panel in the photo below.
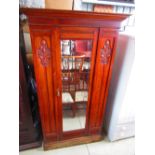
(44, 53)
(105, 52)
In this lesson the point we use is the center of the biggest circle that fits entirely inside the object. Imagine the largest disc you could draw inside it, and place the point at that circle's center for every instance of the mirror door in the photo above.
(77, 64)
(75, 73)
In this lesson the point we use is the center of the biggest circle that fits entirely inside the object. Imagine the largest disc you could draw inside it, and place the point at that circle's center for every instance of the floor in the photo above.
(104, 147)
(73, 123)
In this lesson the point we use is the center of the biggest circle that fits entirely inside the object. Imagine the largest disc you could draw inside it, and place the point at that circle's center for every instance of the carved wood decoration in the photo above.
(105, 52)
(44, 53)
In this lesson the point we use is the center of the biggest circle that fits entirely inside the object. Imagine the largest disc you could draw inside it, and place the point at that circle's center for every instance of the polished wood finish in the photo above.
(50, 27)
(72, 141)
(76, 18)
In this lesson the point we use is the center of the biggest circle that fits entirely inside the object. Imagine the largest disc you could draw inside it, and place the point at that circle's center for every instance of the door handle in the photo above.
(58, 92)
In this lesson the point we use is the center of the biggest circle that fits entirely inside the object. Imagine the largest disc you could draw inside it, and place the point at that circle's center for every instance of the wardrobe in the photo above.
(73, 55)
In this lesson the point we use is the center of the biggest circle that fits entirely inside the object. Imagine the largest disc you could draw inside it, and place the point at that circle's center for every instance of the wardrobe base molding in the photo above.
(71, 142)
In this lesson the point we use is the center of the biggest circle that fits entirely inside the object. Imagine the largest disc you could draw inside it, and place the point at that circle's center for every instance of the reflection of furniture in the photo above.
(48, 28)
(82, 45)
(71, 75)
(72, 67)
(81, 96)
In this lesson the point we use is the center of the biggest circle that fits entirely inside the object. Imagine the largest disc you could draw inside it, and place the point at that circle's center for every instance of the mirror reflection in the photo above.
(75, 66)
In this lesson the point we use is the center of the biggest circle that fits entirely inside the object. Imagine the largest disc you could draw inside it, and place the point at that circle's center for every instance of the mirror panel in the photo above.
(75, 69)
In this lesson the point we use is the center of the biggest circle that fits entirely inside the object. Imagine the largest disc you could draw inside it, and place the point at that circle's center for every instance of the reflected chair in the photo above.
(71, 73)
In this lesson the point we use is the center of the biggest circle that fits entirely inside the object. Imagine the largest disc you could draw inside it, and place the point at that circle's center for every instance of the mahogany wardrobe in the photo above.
(73, 55)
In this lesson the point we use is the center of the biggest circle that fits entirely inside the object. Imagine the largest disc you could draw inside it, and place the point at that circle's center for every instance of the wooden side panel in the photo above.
(104, 61)
(43, 56)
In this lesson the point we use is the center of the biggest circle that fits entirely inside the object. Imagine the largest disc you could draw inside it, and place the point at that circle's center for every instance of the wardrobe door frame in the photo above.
(68, 33)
